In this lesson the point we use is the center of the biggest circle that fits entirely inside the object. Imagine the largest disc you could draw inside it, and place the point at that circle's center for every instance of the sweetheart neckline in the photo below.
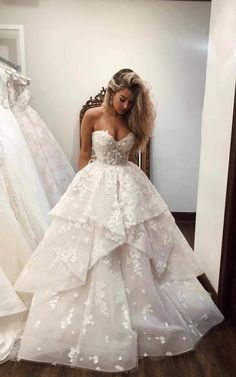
(107, 133)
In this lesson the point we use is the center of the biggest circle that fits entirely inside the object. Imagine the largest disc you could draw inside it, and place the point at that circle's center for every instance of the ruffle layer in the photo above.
(104, 207)
(120, 314)
(10, 303)
(113, 196)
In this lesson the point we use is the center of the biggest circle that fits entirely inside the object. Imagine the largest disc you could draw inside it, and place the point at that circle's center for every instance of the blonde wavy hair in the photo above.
(140, 117)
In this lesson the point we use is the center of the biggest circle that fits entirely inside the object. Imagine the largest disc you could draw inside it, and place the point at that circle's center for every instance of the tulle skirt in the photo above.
(114, 279)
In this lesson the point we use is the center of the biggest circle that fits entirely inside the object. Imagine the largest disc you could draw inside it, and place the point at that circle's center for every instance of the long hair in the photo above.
(140, 117)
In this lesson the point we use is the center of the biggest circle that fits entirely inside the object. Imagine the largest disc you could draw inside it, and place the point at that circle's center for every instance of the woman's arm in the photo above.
(86, 138)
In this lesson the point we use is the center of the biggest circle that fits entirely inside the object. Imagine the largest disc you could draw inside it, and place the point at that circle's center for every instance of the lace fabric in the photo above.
(53, 167)
(12, 311)
(24, 218)
(21, 172)
(15, 250)
(3, 89)
(113, 279)
(115, 152)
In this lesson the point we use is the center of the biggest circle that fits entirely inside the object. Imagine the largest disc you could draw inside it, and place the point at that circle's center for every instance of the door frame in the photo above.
(227, 279)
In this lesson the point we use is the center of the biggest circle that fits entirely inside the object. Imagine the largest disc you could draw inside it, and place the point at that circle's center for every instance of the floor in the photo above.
(188, 229)
(214, 356)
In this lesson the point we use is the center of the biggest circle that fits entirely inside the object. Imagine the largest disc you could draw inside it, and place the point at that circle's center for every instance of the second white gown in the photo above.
(54, 169)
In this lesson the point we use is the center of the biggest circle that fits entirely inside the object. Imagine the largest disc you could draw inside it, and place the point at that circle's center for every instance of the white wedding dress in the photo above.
(12, 310)
(15, 250)
(54, 169)
(22, 169)
(114, 279)
(17, 151)
(24, 218)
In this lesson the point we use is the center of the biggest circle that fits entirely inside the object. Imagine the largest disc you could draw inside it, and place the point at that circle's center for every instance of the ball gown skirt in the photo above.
(113, 279)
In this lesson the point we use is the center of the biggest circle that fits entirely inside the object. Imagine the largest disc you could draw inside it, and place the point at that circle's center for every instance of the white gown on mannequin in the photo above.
(24, 218)
(114, 279)
(20, 161)
(15, 244)
(18, 152)
(12, 311)
(53, 167)
(15, 250)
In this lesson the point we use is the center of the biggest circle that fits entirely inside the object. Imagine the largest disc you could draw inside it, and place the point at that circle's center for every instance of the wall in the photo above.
(74, 47)
(216, 135)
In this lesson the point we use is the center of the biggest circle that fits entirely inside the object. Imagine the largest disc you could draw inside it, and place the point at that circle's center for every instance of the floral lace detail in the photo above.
(100, 296)
(66, 255)
(68, 321)
(53, 302)
(51, 162)
(126, 322)
(134, 258)
(26, 194)
(114, 278)
(109, 151)
(27, 211)
(3, 89)
(87, 321)
(147, 309)
(73, 352)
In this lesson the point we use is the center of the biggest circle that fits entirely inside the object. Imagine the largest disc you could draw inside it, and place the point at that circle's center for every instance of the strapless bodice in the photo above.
(110, 151)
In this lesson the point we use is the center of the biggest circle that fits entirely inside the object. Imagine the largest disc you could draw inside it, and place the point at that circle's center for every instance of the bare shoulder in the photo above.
(93, 113)
(90, 117)
(87, 125)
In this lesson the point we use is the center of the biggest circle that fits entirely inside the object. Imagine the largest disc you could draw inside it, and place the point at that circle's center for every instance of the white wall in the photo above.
(74, 47)
(216, 135)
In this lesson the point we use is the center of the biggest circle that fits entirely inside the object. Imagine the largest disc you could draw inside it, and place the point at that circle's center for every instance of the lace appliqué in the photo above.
(100, 296)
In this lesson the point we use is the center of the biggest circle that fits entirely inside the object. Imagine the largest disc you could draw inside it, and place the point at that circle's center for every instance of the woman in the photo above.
(114, 279)
(122, 111)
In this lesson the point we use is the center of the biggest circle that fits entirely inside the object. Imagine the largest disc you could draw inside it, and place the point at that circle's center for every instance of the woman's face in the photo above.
(123, 101)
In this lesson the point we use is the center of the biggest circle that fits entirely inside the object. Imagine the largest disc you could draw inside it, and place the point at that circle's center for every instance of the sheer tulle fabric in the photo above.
(24, 210)
(52, 165)
(113, 279)
(18, 153)
(12, 311)
(15, 249)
